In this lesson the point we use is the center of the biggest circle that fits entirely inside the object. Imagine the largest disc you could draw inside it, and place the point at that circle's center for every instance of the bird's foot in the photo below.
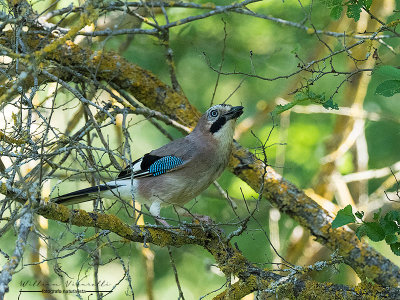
(202, 219)
(162, 222)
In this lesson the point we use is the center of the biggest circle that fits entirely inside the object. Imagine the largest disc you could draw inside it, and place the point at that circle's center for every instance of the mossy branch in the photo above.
(366, 261)
(229, 259)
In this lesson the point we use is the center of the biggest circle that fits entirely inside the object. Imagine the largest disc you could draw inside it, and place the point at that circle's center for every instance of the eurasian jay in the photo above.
(175, 173)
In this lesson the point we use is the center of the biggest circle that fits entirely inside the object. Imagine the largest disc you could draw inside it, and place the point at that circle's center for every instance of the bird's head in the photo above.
(219, 121)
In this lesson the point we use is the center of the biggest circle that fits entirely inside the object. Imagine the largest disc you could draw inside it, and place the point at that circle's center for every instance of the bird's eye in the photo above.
(214, 113)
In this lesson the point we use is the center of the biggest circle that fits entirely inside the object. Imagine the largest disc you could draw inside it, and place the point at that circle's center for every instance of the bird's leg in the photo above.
(154, 210)
(195, 217)
(202, 219)
(163, 222)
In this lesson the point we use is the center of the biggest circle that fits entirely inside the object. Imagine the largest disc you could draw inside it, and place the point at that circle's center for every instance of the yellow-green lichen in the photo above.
(160, 237)
(234, 265)
(3, 188)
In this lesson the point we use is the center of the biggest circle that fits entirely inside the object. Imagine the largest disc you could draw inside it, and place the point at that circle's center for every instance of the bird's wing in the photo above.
(151, 165)
(162, 160)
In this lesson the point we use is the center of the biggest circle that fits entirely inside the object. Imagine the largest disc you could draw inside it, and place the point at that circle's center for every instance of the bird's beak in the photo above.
(234, 113)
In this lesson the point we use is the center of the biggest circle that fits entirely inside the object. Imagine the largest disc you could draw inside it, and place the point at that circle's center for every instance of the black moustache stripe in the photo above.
(217, 125)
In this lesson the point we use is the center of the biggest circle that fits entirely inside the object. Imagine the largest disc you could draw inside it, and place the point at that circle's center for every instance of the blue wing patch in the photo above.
(164, 164)
(150, 165)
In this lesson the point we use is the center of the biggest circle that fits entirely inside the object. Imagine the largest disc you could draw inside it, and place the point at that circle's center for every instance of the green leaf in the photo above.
(317, 98)
(344, 217)
(336, 12)
(330, 104)
(393, 215)
(377, 214)
(374, 231)
(367, 3)
(395, 248)
(359, 214)
(301, 96)
(388, 71)
(388, 88)
(353, 11)
(390, 227)
(391, 239)
(361, 231)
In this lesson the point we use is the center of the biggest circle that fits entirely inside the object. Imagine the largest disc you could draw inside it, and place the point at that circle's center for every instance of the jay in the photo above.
(175, 173)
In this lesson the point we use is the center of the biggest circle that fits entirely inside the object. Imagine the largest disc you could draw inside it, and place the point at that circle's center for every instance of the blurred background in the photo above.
(257, 60)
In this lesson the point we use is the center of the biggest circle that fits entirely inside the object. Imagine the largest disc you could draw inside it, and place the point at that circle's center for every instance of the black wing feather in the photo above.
(150, 167)
(148, 160)
(126, 173)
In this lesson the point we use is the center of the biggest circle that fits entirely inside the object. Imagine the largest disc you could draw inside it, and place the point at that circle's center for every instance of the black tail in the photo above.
(83, 195)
